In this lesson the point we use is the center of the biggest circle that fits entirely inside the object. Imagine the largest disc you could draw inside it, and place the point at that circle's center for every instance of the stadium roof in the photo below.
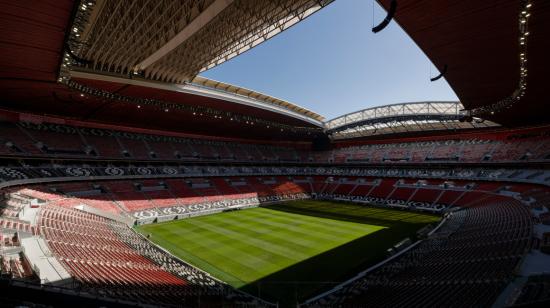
(172, 40)
(207, 89)
(266, 99)
(115, 62)
(481, 43)
(35, 56)
(402, 118)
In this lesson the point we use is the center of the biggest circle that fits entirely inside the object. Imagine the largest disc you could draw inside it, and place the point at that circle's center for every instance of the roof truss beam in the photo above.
(193, 27)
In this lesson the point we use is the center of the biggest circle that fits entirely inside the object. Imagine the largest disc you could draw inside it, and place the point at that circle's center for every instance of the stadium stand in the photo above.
(108, 258)
(488, 234)
(173, 197)
(467, 262)
(47, 139)
(111, 261)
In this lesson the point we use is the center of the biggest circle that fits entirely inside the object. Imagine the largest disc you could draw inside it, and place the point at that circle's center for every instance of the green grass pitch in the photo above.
(288, 252)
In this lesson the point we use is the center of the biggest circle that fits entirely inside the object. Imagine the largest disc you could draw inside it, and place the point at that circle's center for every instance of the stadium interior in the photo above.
(127, 179)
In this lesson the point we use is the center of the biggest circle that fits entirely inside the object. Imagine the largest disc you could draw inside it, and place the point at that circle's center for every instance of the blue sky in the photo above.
(332, 63)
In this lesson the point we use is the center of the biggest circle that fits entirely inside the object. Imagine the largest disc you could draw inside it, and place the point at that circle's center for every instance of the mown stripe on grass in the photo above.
(215, 237)
(209, 266)
(245, 246)
(223, 259)
(343, 227)
(246, 238)
(307, 233)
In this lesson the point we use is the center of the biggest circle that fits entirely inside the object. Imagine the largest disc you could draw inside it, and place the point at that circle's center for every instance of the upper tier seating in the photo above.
(46, 139)
(28, 139)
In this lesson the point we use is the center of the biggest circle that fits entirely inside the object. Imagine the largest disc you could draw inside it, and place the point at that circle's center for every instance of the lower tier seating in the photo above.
(467, 263)
(476, 252)
(107, 258)
(149, 199)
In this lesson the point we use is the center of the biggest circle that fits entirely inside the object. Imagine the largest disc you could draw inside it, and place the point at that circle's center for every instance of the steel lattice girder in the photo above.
(172, 40)
(406, 117)
(403, 109)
